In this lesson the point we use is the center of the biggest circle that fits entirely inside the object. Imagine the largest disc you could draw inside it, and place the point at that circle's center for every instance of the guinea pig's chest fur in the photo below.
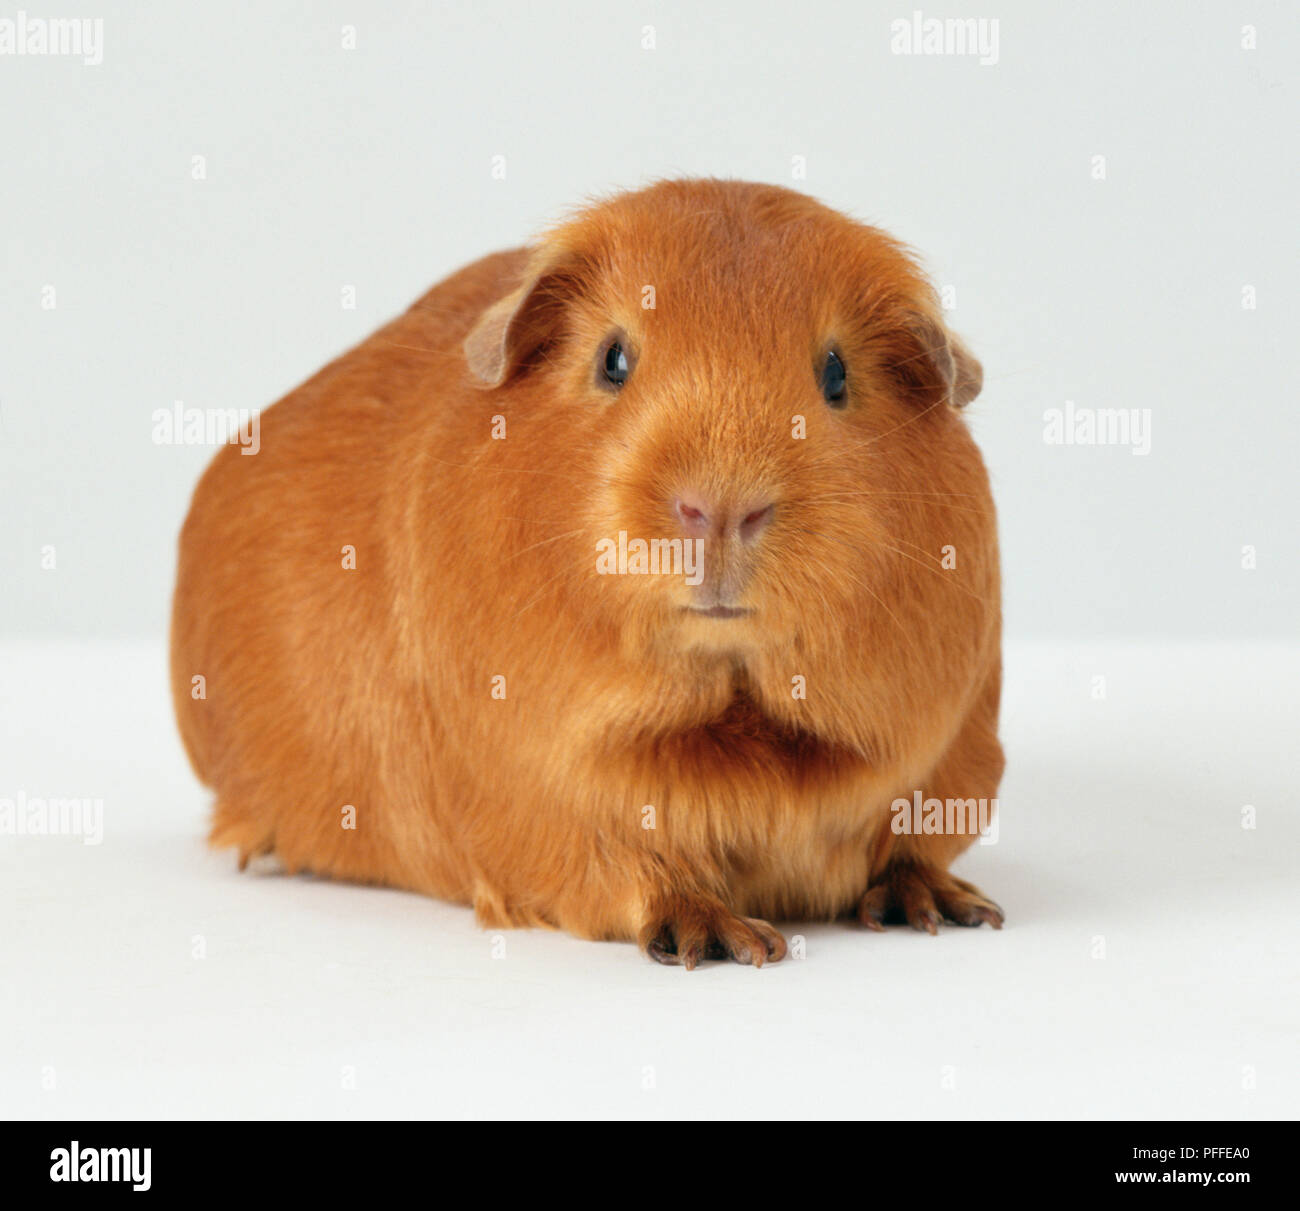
(777, 807)
(782, 817)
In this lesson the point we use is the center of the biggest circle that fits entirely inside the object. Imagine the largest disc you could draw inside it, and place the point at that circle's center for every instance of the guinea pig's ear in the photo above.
(940, 362)
(967, 377)
(520, 324)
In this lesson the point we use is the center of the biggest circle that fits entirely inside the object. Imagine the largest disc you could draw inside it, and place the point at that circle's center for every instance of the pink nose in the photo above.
(701, 517)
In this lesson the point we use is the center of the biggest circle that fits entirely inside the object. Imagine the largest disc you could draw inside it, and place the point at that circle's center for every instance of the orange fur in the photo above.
(476, 559)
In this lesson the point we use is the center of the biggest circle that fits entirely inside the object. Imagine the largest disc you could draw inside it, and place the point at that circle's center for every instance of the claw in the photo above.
(926, 921)
(662, 950)
(925, 897)
(694, 933)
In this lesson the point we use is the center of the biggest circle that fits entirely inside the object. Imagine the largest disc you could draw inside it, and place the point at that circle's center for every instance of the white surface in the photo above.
(1121, 820)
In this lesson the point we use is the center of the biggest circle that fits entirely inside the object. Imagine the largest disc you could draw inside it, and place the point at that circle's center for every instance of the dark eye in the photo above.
(615, 367)
(833, 381)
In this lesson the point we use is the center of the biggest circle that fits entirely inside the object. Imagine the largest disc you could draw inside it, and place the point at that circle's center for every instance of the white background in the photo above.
(371, 168)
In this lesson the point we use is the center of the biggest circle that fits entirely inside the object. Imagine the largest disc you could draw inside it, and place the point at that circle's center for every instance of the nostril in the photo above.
(691, 514)
(756, 521)
(701, 517)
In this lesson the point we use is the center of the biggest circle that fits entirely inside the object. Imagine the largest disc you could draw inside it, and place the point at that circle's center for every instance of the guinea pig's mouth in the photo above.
(718, 611)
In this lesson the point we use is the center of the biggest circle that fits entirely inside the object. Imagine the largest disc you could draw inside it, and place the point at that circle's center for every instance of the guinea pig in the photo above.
(640, 583)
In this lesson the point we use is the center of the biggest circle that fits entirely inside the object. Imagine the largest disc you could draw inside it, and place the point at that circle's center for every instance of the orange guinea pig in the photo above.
(625, 584)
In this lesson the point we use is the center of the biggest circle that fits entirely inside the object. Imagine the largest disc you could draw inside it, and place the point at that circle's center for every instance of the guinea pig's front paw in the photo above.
(683, 931)
(923, 896)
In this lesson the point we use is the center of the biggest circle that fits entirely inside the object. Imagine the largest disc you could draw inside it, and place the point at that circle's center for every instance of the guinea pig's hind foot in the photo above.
(252, 840)
(923, 897)
(682, 932)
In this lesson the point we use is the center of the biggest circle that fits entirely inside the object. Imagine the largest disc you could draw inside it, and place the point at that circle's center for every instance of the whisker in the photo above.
(414, 348)
(505, 470)
(937, 571)
(910, 420)
(541, 543)
(921, 500)
(536, 596)
(862, 584)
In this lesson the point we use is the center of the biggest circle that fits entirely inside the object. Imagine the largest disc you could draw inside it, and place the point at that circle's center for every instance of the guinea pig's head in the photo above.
(745, 407)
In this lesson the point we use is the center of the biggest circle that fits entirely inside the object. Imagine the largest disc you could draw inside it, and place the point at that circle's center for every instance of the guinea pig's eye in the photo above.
(832, 380)
(614, 366)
